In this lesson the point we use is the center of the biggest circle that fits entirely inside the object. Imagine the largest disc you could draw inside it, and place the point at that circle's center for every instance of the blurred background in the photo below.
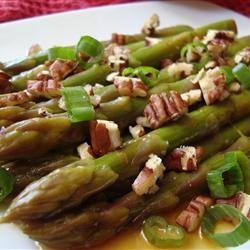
(19, 9)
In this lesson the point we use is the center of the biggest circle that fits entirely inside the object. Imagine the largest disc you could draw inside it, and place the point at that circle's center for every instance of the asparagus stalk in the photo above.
(170, 48)
(26, 171)
(19, 82)
(43, 197)
(93, 225)
(38, 135)
(12, 114)
(17, 66)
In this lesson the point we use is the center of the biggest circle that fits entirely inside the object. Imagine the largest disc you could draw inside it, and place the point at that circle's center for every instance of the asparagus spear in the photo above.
(17, 66)
(170, 48)
(95, 224)
(43, 197)
(12, 114)
(27, 171)
(38, 135)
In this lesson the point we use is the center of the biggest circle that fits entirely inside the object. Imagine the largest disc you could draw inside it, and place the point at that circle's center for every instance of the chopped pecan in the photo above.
(59, 69)
(137, 131)
(181, 69)
(183, 158)
(240, 201)
(119, 39)
(128, 86)
(116, 56)
(191, 97)
(243, 56)
(166, 62)
(150, 25)
(191, 217)
(48, 89)
(43, 75)
(145, 182)
(85, 151)
(16, 98)
(213, 86)
(218, 40)
(105, 136)
(5, 84)
(162, 109)
(34, 49)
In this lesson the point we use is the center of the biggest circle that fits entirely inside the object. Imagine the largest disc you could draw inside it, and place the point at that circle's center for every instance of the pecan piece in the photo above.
(59, 69)
(190, 218)
(119, 39)
(145, 182)
(243, 56)
(128, 86)
(183, 158)
(150, 25)
(47, 88)
(162, 109)
(15, 99)
(240, 201)
(213, 86)
(105, 136)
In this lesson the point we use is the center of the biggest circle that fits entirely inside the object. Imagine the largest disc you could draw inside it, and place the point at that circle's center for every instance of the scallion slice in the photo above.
(161, 234)
(225, 181)
(147, 74)
(78, 104)
(6, 183)
(91, 47)
(239, 235)
(67, 53)
(227, 71)
(242, 74)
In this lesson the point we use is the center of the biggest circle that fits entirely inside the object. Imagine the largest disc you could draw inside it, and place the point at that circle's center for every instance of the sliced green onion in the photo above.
(242, 74)
(240, 158)
(6, 183)
(225, 181)
(227, 71)
(66, 53)
(161, 234)
(78, 104)
(91, 47)
(236, 237)
(193, 48)
(147, 74)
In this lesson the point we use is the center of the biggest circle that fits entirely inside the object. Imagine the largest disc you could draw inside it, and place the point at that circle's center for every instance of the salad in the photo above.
(102, 135)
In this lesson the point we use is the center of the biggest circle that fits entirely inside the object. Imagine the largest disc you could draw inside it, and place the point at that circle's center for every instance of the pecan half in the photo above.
(183, 158)
(190, 218)
(47, 88)
(105, 136)
(15, 99)
(128, 86)
(59, 69)
(162, 108)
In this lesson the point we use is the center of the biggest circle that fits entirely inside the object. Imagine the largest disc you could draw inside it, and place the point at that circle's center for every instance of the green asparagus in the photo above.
(93, 225)
(36, 202)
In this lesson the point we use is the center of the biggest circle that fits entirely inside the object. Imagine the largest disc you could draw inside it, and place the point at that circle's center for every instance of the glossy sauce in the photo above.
(133, 239)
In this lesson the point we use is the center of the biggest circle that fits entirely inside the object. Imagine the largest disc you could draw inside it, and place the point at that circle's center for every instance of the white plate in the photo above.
(66, 28)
